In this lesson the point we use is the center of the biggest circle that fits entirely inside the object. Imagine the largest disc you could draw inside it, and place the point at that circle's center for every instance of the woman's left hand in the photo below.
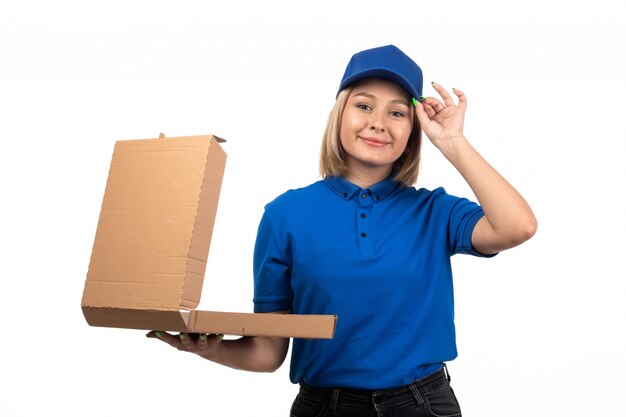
(442, 122)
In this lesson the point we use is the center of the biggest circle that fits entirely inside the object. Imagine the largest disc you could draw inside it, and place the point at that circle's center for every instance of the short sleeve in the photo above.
(272, 269)
(461, 215)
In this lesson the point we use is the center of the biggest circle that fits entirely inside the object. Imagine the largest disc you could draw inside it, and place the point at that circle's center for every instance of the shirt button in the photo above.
(363, 195)
(363, 215)
(345, 195)
(363, 234)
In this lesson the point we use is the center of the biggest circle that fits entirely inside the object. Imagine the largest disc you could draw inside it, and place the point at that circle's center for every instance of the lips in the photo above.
(374, 141)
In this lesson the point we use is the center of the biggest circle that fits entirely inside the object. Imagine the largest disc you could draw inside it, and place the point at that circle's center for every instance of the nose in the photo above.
(376, 121)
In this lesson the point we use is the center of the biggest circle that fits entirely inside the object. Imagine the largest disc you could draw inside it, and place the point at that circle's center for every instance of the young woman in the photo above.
(364, 244)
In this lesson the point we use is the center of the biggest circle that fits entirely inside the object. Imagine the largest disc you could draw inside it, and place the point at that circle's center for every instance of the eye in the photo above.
(397, 114)
(363, 106)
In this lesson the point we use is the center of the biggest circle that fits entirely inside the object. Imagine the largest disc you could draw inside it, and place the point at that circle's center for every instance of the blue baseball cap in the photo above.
(387, 62)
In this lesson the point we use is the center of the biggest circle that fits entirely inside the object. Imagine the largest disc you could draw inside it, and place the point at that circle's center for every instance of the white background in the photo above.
(541, 328)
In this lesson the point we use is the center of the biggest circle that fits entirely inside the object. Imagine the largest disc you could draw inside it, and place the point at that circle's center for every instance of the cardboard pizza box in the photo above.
(152, 242)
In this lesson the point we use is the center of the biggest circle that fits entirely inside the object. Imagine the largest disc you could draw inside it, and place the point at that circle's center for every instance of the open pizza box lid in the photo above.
(152, 242)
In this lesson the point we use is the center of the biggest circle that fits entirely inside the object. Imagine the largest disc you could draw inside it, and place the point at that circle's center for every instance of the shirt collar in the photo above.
(346, 190)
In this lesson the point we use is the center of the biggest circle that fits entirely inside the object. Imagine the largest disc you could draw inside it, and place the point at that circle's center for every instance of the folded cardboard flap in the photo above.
(129, 318)
(152, 242)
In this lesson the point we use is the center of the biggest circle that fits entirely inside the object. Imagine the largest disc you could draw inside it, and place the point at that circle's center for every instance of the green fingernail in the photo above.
(202, 336)
(432, 83)
(414, 101)
(182, 335)
(423, 98)
(220, 337)
(159, 334)
(453, 88)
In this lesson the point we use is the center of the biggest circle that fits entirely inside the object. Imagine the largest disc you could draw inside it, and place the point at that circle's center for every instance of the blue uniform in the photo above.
(377, 258)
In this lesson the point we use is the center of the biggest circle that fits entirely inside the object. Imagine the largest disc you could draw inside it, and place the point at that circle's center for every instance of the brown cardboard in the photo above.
(152, 243)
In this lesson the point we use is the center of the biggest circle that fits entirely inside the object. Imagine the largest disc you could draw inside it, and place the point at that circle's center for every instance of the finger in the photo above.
(447, 99)
(215, 338)
(434, 103)
(429, 110)
(185, 340)
(461, 96)
(165, 337)
(420, 112)
(202, 341)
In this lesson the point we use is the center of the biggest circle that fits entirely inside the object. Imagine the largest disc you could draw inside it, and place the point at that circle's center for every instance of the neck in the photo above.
(364, 176)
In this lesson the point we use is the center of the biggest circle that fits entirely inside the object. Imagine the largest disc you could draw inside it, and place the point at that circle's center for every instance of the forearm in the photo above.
(255, 354)
(506, 211)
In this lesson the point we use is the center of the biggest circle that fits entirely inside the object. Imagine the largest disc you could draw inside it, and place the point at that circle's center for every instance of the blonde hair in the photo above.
(332, 155)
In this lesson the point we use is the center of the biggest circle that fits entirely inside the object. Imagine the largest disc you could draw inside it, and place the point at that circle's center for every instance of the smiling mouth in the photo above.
(374, 142)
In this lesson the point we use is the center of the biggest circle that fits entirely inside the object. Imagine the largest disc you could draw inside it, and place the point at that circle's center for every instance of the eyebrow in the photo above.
(373, 97)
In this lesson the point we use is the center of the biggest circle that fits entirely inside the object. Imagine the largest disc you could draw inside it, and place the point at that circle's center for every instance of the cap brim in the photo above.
(381, 73)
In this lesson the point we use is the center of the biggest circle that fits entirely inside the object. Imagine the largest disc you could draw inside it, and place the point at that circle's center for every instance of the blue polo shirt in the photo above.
(379, 259)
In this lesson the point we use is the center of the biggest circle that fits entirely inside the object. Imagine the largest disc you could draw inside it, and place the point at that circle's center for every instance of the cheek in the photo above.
(353, 120)
(402, 133)
(348, 129)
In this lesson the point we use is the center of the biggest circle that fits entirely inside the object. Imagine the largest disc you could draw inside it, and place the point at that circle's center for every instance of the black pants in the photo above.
(429, 396)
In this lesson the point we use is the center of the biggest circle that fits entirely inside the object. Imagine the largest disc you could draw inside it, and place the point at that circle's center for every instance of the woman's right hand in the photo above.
(202, 344)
